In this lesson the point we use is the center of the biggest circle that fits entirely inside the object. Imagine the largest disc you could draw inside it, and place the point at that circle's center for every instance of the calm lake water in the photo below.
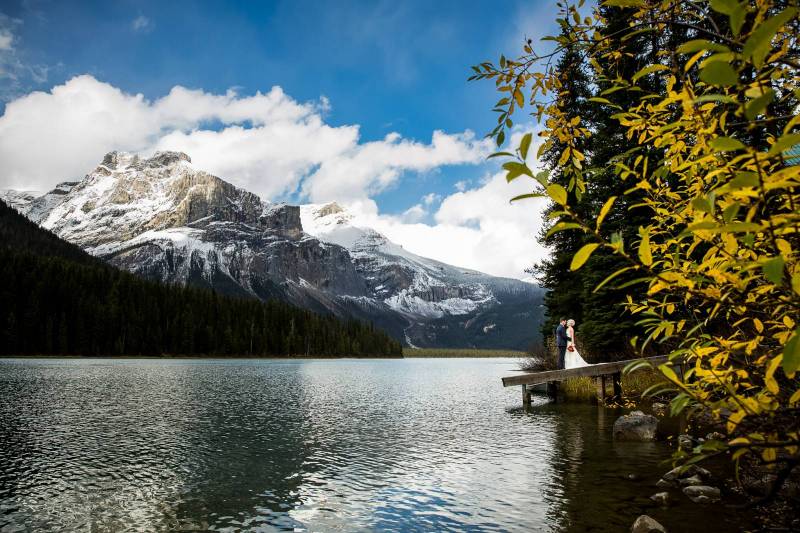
(317, 445)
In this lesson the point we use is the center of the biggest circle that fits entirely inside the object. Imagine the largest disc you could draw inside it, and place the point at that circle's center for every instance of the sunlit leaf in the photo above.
(524, 144)
(582, 255)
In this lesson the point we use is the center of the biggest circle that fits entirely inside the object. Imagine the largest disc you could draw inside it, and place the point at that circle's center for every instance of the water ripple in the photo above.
(226, 445)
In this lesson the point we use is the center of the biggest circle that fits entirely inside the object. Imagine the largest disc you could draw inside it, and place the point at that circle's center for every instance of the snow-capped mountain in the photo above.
(164, 219)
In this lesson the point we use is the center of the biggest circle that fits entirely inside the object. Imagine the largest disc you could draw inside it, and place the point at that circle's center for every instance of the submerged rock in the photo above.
(702, 493)
(665, 484)
(685, 442)
(645, 524)
(636, 426)
(660, 498)
(685, 472)
(692, 480)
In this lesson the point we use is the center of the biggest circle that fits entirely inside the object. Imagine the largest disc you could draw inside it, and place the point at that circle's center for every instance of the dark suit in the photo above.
(561, 344)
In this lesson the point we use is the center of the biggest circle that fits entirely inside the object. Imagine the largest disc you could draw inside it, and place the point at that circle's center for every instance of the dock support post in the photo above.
(526, 395)
(552, 390)
(600, 382)
(617, 379)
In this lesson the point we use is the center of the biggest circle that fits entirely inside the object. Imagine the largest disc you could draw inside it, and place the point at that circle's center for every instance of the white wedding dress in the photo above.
(573, 359)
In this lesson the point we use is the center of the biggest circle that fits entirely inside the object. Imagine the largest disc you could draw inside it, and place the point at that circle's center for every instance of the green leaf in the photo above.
(719, 73)
(604, 211)
(744, 179)
(514, 170)
(561, 226)
(791, 354)
(541, 177)
(759, 43)
(690, 47)
(756, 106)
(645, 256)
(524, 144)
(501, 137)
(721, 98)
(726, 144)
(528, 195)
(702, 204)
(557, 193)
(648, 70)
(500, 154)
(582, 255)
(735, 11)
(773, 269)
(612, 276)
(730, 212)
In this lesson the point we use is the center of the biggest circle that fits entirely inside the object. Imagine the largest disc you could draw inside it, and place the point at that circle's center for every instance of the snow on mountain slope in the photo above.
(162, 218)
(405, 281)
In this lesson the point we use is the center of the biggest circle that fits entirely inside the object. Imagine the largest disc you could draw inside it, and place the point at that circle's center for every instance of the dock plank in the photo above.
(601, 369)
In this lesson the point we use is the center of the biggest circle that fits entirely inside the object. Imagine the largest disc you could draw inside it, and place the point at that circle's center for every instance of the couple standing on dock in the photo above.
(568, 356)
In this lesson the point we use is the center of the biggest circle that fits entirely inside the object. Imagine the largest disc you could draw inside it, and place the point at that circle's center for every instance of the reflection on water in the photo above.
(349, 445)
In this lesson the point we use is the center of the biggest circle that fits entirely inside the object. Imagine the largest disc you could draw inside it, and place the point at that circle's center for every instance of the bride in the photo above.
(572, 359)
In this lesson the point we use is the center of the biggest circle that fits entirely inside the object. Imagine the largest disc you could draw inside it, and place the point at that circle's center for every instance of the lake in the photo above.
(317, 445)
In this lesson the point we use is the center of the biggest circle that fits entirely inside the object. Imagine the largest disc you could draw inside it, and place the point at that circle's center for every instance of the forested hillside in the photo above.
(56, 299)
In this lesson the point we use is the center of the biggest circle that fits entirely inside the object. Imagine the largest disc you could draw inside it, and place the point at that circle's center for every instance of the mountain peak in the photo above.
(118, 160)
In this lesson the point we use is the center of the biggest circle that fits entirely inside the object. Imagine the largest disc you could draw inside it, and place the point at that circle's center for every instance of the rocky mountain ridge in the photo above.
(163, 219)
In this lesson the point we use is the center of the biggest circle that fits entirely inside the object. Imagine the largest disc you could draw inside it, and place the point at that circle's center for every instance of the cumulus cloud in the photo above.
(275, 146)
(477, 228)
(268, 143)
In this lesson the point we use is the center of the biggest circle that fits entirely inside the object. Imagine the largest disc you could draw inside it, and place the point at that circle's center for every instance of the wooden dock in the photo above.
(602, 373)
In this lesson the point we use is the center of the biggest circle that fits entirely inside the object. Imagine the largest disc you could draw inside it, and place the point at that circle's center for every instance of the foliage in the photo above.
(56, 299)
(708, 127)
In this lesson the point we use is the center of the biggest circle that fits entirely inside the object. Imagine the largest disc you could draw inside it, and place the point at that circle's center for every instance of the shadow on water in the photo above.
(598, 484)
(348, 445)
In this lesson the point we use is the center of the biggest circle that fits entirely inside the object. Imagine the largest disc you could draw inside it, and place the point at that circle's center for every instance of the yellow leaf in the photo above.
(557, 193)
(795, 397)
(769, 378)
(604, 211)
(669, 373)
(582, 255)
(759, 326)
(645, 256)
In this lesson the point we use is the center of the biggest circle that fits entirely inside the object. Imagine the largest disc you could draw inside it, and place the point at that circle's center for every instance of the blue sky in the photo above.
(385, 67)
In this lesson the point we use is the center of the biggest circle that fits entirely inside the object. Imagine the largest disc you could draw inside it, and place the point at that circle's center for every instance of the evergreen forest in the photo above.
(55, 299)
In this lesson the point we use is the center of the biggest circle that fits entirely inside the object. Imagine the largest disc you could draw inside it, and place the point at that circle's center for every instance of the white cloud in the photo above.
(431, 198)
(273, 145)
(6, 40)
(460, 186)
(415, 213)
(142, 24)
(477, 228)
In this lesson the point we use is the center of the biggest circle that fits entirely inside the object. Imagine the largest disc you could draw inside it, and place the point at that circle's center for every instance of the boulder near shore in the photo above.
(635, 426)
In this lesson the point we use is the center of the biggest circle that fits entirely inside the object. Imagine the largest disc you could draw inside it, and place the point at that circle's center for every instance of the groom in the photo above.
(561, 341)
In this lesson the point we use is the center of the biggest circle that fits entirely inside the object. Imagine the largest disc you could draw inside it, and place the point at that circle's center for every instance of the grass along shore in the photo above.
(459, 352)
(633, 385)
